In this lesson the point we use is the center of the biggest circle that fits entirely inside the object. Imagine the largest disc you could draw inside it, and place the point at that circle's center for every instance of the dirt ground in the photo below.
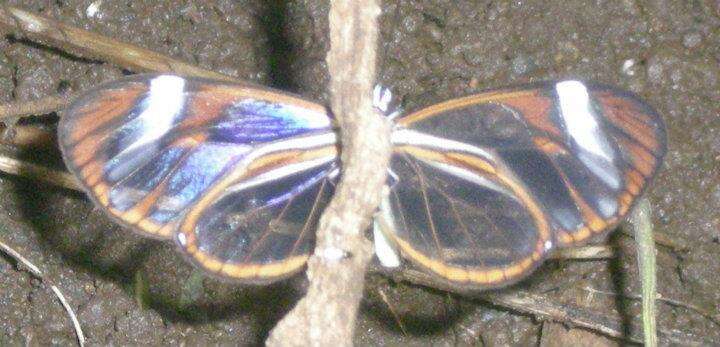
(130, 290)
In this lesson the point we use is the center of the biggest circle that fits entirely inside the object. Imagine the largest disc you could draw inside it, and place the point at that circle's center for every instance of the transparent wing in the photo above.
(150, 148)
(488, 184)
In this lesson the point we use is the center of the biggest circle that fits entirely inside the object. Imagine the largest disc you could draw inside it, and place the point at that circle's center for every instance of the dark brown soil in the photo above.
(130, 290)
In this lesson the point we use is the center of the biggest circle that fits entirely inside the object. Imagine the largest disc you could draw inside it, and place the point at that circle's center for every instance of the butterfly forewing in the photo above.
(488, 184)
(221, 167)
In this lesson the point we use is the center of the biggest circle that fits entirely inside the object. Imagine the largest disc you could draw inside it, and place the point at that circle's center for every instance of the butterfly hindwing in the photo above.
(258, 221)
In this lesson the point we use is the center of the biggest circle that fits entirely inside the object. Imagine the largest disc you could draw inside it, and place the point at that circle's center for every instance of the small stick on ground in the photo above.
(399, 322)
(38, 172)
(90, 45)
(544, 308)
(46, 105)
(675, 244)
(85, 44)
(27, 136)
(672, 302)
(595, 252)
(37, 273)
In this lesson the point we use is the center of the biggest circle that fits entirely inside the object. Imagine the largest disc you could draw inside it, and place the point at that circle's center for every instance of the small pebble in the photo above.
(628, 67)
(692, 40)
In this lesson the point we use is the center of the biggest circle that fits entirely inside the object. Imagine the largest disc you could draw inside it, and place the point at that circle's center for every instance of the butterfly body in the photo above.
(484, 186)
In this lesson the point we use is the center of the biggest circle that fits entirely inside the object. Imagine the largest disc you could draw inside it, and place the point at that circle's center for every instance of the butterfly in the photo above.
(481, 188)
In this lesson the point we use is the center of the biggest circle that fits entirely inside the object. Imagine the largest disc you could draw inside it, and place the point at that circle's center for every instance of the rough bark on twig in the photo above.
(326, 315)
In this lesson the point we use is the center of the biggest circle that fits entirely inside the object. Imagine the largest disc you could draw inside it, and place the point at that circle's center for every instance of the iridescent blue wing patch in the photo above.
(222, 168)
(489, 184)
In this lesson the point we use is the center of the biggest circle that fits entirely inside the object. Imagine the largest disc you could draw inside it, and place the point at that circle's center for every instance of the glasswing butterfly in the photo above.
(481, 188)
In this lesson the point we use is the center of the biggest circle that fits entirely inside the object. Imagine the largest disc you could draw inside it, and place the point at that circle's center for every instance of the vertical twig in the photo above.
(326, 315)
(641, 220)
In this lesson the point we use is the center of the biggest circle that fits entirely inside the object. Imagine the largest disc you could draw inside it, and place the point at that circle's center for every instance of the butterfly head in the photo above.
(383, 102)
